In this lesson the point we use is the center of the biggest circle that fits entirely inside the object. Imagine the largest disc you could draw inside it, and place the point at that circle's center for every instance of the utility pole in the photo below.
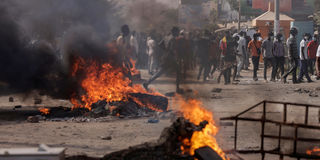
(239, 18)
(277, 17)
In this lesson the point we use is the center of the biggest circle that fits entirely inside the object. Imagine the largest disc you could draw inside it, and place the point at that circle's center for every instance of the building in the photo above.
(265, 23)
(285, 5)
(297, 9)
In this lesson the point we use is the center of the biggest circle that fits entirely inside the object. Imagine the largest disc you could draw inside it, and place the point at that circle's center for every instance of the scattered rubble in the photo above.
(33, 119)
(311, 93)
(108, 138)
(214, 96)
(216, 90)
(167, 147)
(11, 99)
(17, 107)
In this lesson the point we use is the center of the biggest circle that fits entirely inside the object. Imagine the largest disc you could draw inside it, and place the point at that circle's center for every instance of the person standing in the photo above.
(304, 58)
(123, 41)
(228, 46)
(241, 53)
(125, 49)
(134, 45)
(203, 51)
(278, 53)
(293, 56)
(318, 64)
(182, 48)
(312, 51)
(254, 47)
(247, 55)
(268, 58)
(214, 55)
(151, 44)
(170, 59)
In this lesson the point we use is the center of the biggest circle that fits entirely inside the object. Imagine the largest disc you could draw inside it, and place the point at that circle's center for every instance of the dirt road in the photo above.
(88, 137)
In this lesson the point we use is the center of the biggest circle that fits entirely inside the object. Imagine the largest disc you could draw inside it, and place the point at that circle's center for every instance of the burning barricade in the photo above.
(190, 136)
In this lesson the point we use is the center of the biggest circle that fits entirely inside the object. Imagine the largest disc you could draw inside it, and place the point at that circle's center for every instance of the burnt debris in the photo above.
(167, 147)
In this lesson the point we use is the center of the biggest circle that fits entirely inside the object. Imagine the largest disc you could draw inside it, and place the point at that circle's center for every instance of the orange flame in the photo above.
(133, 69)
(314, 151)
(44, 111)
(193, 111)
(103, 82)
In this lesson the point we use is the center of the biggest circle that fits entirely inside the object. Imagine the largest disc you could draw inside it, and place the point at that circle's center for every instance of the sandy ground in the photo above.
(86, 137)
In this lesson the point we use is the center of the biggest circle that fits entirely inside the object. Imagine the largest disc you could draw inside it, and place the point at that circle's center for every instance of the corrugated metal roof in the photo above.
(269, 16)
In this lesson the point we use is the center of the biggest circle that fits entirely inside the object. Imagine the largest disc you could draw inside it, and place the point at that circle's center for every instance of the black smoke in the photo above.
(38, 36)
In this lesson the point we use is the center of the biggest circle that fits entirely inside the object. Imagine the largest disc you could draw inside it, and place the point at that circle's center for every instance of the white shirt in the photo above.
(304, 43)
(318, 52)
(150, 44)
(242, 43)
(134, 43)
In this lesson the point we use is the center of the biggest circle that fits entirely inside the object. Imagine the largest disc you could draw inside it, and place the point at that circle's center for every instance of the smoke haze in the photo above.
(37, 36)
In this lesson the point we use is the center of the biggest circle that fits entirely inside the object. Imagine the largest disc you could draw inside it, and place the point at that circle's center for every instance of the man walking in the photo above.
(241, 53)
(278, 53)
(151, 44)
(304, 58)
(312, 51)
(254, 47)
(268, 58)
(229, 48)
(170, 59)
(203, 51)
(318, 64)
(293, 56)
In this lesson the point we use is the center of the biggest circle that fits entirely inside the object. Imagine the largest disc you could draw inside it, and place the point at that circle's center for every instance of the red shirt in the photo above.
(254, 46)
(312, 49)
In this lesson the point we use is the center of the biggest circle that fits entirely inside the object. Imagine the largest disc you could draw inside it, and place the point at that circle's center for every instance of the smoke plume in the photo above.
(37, 37)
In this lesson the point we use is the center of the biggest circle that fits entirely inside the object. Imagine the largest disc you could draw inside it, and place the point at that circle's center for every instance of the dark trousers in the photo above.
(166, 68)
(205, 68)
(227, 76)
(255, 62)
(294, 65)
(311, 65)
(267, 62)
(279, 64)
(213, 66)
(304, 70)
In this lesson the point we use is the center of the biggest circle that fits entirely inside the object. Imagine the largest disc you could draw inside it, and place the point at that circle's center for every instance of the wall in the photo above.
(264, 29)
(285, 5)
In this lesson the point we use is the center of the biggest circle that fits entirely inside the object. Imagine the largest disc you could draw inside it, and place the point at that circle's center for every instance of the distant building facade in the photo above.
(297, 9)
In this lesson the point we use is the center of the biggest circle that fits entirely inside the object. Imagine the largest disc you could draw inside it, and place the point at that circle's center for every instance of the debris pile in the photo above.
(167, 147)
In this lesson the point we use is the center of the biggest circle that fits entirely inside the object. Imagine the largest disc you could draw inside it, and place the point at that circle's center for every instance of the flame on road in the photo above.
(44, 111)
(194, 111)
(104, 82)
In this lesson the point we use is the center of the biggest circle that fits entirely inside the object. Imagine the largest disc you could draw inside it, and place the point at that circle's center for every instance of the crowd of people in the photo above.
(227, 52)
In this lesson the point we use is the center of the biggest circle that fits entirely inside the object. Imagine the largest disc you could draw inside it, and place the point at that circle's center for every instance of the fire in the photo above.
(44, 111)
(193, 111)
(133, 69)
(103, 82)
(314, 151)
